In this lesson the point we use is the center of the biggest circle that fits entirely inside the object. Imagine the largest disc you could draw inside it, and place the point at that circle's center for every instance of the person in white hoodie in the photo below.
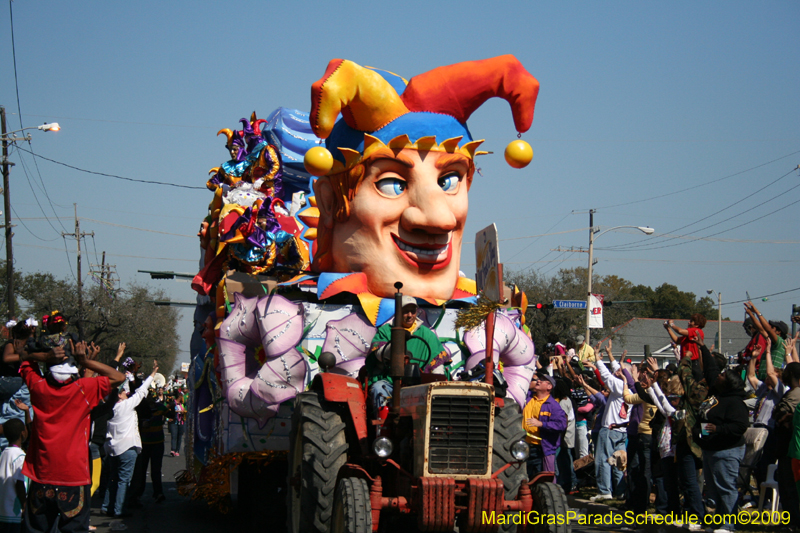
(123, 445)
(613, 433)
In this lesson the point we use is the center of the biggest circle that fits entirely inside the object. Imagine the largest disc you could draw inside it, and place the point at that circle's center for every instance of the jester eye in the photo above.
(391, 186)
(449, 183)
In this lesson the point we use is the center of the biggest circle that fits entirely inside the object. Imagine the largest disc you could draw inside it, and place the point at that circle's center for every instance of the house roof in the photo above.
(636, 333)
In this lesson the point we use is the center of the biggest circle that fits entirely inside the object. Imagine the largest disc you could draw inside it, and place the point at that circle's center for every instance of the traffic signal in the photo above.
(540, 306)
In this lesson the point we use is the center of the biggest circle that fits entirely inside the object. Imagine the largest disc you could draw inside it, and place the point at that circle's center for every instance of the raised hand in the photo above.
(120, 350)
(22, 406)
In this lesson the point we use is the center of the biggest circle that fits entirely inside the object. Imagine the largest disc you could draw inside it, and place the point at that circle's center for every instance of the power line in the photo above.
(36, 196)
(725, 230)
(700, 185)
(539, 237)
(27, 228)
(111, 254)
(14, 54)
(643, 243)
(113, 175)
(140, 229)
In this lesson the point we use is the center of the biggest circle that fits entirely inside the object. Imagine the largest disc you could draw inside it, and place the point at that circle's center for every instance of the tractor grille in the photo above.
(459, 435)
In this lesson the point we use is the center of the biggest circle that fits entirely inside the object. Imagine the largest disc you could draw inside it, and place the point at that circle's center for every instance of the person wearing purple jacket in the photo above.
(544, 422)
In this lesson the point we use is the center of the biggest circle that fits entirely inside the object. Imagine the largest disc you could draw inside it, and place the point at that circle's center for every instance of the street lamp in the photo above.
(592, 237)
(719, 316)
(8, 138)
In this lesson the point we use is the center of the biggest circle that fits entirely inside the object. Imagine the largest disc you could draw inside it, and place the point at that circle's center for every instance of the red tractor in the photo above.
(449, 454)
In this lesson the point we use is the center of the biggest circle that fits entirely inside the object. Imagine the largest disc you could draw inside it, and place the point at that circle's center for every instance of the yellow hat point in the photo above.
(518, 153)
(318, 161)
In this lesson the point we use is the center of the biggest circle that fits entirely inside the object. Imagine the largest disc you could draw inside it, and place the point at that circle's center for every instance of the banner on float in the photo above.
(596, 307)
(487, 259)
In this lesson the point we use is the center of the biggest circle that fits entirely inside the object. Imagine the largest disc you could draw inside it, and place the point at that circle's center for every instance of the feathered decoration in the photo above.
(473, 316)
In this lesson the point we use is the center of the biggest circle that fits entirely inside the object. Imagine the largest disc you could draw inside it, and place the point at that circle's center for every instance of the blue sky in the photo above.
(658, 114)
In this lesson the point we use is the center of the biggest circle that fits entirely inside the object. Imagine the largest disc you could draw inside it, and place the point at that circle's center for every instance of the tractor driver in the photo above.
(423, 348)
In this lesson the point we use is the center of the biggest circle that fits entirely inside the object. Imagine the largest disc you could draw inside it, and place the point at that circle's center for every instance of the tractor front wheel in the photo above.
(549, 499)
(352, 512)
(317, 450)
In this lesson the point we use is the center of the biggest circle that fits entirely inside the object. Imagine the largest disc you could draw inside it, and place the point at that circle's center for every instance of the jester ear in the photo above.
(365, 99)
(458, 90)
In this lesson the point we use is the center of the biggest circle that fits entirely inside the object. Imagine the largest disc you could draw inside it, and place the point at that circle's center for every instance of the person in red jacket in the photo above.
(57, 461)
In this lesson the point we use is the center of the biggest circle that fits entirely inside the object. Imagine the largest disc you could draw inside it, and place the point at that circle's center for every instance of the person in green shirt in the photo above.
(775, 330)
(423, 348)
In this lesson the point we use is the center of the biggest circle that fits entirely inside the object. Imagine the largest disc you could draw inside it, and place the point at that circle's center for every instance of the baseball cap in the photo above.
(781, 325)
(409, 300)
(546, 377)
(579, 339)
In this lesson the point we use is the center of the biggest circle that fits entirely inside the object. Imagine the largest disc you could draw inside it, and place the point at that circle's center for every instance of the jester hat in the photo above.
(429, 112)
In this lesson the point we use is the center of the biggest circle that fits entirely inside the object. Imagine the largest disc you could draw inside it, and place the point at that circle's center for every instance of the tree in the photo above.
(666, 301)
(109, 318)
(4, 291)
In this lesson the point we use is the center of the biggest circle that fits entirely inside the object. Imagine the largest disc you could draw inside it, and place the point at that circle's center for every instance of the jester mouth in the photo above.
(433, 256)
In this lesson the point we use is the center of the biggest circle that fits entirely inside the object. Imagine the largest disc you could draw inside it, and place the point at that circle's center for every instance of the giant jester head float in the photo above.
(393, 203)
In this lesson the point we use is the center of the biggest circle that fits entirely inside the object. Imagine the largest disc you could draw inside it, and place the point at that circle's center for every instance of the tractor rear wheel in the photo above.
(507, 431)
(317, 450)
(352, 512)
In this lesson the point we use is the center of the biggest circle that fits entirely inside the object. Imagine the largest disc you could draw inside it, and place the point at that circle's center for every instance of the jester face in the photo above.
(406, 223)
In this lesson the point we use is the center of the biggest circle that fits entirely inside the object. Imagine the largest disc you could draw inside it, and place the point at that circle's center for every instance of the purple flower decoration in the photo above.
(511, 347)
(277, 324)
(349, 340)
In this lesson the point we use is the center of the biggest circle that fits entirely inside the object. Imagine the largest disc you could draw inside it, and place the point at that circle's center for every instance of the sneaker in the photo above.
(177, 454)
(117, 525)
(692, 526)
(601, 497)
(160, 498)
(172, 453)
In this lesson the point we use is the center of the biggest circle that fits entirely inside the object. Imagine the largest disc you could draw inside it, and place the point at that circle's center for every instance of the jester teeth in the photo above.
(422, 251)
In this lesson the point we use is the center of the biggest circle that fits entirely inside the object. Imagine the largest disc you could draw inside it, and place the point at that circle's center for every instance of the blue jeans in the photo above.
(176, 432)
(119, 480)
(8, 386)
(687, 480)
(565, 473)
(720, 470)
(608, 442)
(639, 472)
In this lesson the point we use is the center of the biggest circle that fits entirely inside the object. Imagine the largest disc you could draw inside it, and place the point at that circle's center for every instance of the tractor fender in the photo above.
(343, 389)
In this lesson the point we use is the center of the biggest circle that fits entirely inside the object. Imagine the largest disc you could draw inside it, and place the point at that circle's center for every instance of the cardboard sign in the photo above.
(487, 259)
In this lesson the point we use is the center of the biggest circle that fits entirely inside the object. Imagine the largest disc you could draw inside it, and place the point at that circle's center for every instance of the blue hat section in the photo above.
(415, 125)
(397, 82)
(290, 131)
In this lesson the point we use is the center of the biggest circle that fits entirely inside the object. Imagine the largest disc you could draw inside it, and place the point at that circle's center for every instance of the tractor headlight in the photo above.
(520, 450)
(382, 447)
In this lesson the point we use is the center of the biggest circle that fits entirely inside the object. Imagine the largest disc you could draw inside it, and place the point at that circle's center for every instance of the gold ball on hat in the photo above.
(518, 153)
(318, 161)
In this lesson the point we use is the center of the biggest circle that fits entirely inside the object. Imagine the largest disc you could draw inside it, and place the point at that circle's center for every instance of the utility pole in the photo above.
(589, 284)
(7, 214)
(78, 235)
(719, 319)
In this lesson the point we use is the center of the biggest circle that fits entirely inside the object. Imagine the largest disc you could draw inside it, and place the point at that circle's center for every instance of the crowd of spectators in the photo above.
(73, 427)
(671, 439)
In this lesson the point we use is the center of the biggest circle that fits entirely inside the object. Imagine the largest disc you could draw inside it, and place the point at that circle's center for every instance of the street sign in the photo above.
(487, 255)
(569, 304)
